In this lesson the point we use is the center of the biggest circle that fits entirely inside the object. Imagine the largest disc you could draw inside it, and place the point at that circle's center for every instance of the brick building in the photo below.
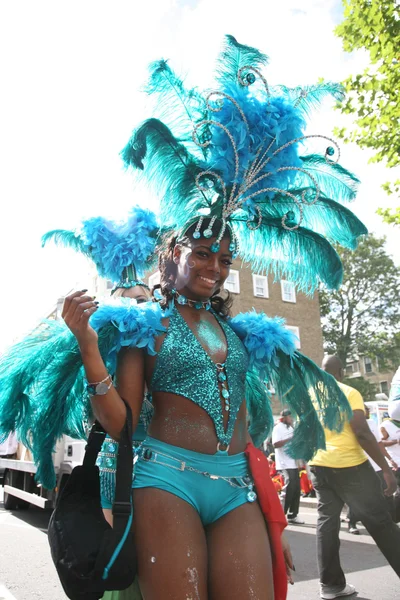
(369, 369)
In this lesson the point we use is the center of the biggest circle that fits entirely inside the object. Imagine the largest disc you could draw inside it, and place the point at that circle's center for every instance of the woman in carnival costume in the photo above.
(231, 182)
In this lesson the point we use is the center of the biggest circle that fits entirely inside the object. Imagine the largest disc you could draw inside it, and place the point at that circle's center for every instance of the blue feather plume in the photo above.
(113, 246)
(312, 394)
(248, 149)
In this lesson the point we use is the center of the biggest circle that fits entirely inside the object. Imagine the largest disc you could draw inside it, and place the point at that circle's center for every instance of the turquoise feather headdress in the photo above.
(234, 154)
(122, 252)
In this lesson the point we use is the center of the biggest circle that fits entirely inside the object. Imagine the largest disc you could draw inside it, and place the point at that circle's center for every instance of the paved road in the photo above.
(362, 562)
(27, 572)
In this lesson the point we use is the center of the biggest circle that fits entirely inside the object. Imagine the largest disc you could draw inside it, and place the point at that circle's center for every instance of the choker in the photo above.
(197, 304)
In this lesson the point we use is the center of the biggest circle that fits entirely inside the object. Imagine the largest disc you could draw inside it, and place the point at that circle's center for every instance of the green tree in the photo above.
(373, 96)
(365, 387)
(363, 316)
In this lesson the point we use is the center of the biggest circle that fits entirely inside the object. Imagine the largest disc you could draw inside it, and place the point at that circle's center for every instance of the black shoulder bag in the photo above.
(90, 556)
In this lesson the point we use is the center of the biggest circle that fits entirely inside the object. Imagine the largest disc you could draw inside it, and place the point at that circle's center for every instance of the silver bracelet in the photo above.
(99, 388)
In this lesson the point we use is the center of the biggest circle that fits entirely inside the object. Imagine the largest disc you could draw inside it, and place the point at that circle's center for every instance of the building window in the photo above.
(384, 387)
(232, 284)
(288, 291)
(296, 332)
(367, 364)
(260, 286)
(154, 279)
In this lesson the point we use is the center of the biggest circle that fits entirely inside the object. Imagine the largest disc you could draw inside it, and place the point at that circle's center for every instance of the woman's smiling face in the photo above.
(200, 272)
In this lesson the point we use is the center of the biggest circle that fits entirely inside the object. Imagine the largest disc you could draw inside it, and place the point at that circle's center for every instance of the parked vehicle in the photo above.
(20, 487)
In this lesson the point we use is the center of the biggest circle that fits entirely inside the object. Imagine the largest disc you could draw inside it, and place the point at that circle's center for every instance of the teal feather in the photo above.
(314, 397)
(307, 98)
(335, 222)
(334, 180)
(67, 239)
(234, 56)
(301, 255)
(179, 108)
(153, 149)
(42, 380)
(258, 408)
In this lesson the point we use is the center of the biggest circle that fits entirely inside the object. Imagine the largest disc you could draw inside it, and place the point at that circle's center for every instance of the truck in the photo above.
(19, 485)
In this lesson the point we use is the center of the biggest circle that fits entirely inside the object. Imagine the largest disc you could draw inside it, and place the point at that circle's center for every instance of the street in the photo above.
(27, 572)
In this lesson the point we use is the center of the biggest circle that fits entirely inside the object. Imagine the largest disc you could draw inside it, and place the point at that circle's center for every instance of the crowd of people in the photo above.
(207, 519)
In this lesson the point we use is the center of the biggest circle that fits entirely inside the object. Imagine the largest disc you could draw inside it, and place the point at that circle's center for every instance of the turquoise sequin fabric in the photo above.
(183, 367)
(107, 458)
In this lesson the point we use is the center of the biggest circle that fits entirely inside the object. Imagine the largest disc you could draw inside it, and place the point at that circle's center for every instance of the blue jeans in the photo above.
(360, 488)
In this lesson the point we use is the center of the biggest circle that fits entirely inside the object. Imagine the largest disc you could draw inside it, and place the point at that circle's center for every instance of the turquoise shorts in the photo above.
(214, 484)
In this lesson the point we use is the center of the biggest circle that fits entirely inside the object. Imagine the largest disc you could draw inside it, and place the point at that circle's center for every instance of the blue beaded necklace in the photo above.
(197, 304)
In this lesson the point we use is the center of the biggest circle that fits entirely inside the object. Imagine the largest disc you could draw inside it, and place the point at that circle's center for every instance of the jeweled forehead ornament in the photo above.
(207, 231)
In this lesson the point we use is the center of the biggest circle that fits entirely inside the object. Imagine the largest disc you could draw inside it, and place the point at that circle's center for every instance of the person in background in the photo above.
(342, 474)
(282, 435)
(390, 430)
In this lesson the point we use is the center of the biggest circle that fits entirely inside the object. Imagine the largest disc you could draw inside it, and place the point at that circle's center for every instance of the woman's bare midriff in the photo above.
(180, 422)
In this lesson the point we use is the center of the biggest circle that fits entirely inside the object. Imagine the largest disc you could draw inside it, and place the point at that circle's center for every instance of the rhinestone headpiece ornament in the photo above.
(230, 159)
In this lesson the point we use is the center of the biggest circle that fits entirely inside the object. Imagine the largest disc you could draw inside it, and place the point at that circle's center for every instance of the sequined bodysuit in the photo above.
(183, 367)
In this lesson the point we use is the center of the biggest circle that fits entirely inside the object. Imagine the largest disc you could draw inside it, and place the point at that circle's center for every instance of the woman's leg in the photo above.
(171, 547)
(239, 556)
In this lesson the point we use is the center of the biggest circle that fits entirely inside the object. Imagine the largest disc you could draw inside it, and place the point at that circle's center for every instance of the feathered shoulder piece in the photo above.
(240, 155)
(114, 247)
(42, 380)
(312, 394)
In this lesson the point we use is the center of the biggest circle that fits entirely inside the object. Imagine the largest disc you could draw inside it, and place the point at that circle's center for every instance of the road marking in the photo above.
(5, 594)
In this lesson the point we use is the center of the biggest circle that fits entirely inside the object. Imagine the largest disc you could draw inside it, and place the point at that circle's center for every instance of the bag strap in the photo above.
(122, 507)
(95, 441)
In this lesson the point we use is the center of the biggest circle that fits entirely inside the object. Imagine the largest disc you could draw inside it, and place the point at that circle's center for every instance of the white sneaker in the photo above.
(296, 521)
(349, 590)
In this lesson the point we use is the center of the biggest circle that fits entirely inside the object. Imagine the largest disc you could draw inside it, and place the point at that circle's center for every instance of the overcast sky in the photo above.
(71, 74)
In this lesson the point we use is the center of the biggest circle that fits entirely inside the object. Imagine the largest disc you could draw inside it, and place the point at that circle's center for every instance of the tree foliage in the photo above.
(363, 316)
(373, 96)
(365, 387)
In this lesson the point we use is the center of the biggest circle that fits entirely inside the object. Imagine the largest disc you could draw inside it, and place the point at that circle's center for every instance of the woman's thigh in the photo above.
(239, 556)
(171, 547)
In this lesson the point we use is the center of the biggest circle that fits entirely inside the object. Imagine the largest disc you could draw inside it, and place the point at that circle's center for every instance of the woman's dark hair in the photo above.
(168, 272)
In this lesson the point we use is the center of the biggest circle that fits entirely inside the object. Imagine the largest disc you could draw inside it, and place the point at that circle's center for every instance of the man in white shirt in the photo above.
(281, 435)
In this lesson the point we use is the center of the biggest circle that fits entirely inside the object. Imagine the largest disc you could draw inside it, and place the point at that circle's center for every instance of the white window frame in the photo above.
(288, 297)
(234, 286)
(296, 330)
(264, 280)
(154, 279)
(368, 361)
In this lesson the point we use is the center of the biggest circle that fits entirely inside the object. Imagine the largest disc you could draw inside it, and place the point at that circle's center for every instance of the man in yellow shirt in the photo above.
(342, 474)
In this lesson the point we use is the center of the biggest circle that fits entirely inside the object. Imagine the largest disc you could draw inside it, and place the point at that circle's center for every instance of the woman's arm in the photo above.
(385, 438)
(109, 409)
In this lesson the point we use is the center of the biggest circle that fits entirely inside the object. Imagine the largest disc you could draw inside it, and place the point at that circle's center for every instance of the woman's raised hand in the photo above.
(76, 312)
